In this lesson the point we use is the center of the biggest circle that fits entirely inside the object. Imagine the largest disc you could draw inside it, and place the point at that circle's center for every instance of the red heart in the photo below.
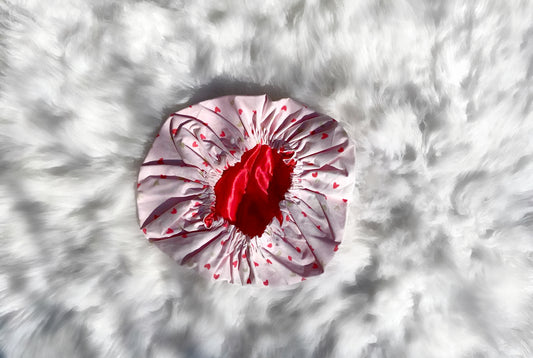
(170, 231)
(160, 161)
(184, 235)
(235, 263)
(298, 249)
(248, 281)
(269, 245)
(205, 163)
(216, 276)
(256, 264)
(336, 248)
(290, 258)
(341, 149)
(222, 134)
(174, 131)
(197, 204)
(194, 144)
(287, 218)
(202, 136)
(156, 216)
(318, 227)
(244, 256)
(284, 108)
(335, 185)
(207, 266)
(157, 135)
(315, 265)
(208, 220)
(144, 230)
(345, 200)
(222, 242)
(217, 110)
(163, 176)
(240, 111)
(265, 282)
(303, 278)
(270, 262)
(305, 215)
(174, 211)
(232, 152)
(293, 120)
(324, 136)
(315, 174)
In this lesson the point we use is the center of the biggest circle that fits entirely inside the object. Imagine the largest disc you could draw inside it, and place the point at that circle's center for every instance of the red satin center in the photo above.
(248, 193)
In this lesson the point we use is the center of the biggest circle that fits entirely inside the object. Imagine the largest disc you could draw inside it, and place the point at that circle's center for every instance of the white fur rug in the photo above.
(438, 256)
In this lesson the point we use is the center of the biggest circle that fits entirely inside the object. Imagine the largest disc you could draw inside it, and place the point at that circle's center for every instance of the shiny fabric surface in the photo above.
(248, 193)
(221, 142)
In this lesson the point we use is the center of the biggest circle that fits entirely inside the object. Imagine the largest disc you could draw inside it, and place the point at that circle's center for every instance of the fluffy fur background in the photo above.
(438, 256)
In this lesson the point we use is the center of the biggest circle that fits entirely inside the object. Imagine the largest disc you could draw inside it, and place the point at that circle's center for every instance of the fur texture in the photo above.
(437, 260)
